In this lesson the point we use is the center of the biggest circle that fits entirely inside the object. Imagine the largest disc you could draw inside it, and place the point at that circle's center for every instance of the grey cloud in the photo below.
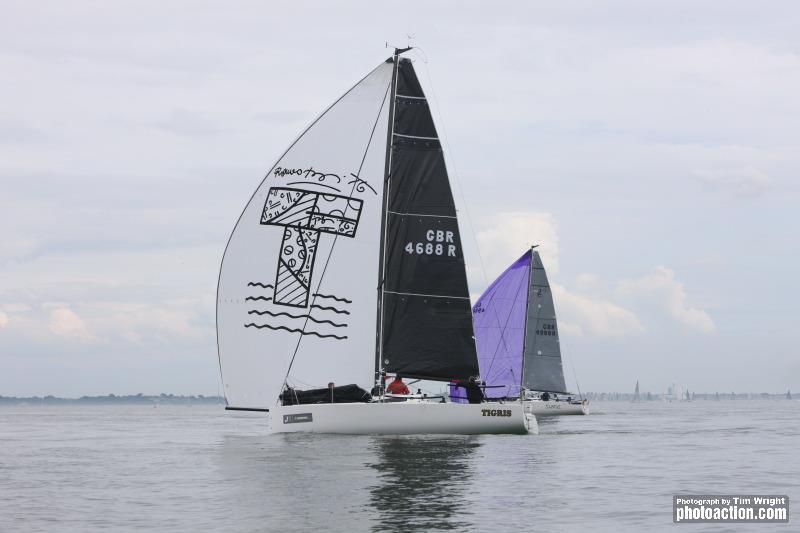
(747, 181)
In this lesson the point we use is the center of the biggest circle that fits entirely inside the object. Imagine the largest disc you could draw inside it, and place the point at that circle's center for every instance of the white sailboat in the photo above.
(517, 337)
(346, 264)
(677, 393)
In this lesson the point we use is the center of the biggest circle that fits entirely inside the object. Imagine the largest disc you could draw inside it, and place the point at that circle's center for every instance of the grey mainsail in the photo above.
(542, 369)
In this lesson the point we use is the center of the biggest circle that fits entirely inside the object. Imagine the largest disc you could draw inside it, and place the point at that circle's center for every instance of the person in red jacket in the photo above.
(397, 386)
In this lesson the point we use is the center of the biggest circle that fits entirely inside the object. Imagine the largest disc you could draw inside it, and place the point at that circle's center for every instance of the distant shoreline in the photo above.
(162, 399)
(172, 399)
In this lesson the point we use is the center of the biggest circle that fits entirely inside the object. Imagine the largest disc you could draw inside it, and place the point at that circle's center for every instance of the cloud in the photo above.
(3, 320)
(137, 323)
(570, 329)
(14, 248)
(188, 124)
(599, 317)
(747, 181)
(587, 281)
(506, 236)
(660, 289)
(64, 322)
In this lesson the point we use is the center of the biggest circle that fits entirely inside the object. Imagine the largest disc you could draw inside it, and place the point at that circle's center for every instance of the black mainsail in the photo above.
(425, 328)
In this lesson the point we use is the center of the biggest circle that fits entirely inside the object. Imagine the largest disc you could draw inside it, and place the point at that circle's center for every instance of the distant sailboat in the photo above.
(788, 394)
(670, 396)
(516, 334)
(345, 265)
(636, 397)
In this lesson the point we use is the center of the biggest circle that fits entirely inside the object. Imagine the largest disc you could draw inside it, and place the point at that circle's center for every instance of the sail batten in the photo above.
(429, 295)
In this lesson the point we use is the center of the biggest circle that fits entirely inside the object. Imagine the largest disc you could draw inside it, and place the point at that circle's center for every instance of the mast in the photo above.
(384, 208)
(525, 329)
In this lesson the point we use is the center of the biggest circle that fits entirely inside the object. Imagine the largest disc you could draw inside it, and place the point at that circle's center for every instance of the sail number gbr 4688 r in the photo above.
(438, 242)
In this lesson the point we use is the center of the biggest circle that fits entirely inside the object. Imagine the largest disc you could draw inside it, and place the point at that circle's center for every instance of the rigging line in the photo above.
(571, 364)
(241, 215)
(453, 163)
(305, 383)
(575, 376)
(336, 237)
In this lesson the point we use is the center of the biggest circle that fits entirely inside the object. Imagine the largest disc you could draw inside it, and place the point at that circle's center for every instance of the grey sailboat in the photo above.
(516, 334)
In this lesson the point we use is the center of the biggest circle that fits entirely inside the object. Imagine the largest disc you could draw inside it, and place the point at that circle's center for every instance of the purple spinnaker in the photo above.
(498, 319)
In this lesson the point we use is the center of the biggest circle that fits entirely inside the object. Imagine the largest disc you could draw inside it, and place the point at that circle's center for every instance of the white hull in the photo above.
(403, 418)
(551, 408)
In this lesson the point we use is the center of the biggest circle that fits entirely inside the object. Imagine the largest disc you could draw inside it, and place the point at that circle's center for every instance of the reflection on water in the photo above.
(310, 482)
(422, 482)
(304, 481)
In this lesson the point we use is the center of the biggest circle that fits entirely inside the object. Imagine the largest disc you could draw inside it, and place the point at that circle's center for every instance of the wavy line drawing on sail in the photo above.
(258, 298)
(343, 300)
(300, 331)
(337, 311)
(317, 320)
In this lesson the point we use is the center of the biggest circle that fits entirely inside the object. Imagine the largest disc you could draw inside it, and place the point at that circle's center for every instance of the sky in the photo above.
(650, 149)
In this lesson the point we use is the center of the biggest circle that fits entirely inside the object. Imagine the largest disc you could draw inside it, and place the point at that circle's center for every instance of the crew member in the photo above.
(474, 392)
(397, 386)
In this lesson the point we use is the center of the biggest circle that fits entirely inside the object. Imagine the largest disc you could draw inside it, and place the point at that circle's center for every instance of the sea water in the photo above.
(199, 468)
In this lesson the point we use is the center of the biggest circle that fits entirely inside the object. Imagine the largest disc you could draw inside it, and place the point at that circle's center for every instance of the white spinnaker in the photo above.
(262, 301)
